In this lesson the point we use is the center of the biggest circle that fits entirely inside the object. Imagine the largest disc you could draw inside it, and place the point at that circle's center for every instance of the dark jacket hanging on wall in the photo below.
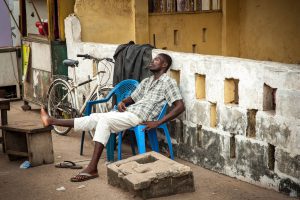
(131, 61)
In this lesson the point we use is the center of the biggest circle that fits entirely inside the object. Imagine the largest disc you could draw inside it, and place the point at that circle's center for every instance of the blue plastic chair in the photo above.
(152, 136)
(120, 91)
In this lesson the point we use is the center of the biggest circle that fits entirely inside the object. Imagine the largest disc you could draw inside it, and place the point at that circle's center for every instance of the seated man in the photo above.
(145, 104)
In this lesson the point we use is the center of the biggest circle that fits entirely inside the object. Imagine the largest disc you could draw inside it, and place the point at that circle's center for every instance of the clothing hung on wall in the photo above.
(131, 62)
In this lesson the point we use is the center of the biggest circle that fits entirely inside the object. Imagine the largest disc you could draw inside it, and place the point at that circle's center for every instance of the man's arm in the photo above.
(176, 110)
(123, 103)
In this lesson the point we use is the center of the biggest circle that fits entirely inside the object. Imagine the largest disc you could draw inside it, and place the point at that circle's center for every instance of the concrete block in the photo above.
(273, 130)
(176, 130)
(151, 175)
(250, 76)
(72, 30)
(292, 80)
(287, 103)
(214, 89)
(211, 68)
(251, 158)
(190, 134)
(281, 75)
(199, 112)
(289, 187)
(232, 119)
(211, 154)
(288, 164)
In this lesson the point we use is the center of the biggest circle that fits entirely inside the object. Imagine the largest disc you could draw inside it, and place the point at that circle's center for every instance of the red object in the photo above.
(40, 25)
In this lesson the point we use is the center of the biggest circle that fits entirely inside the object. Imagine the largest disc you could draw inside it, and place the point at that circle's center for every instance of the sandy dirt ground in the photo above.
(41, 182)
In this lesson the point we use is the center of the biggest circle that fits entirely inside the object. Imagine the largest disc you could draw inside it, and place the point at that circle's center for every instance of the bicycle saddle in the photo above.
(70, 63)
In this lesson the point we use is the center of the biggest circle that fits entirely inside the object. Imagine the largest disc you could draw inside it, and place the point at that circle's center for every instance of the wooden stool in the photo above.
(29, 140)
(4, 107)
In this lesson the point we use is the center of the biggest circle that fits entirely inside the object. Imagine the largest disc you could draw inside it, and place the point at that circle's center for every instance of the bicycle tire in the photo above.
(100, 108)
(61, 104)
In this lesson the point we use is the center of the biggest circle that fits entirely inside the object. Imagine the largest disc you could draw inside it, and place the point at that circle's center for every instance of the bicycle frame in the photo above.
(75, 86)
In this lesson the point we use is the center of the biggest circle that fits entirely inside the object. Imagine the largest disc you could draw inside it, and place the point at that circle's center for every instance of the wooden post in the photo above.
(4, 107)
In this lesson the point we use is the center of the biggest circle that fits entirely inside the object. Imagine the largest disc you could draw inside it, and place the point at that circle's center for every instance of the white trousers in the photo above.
(106, 123)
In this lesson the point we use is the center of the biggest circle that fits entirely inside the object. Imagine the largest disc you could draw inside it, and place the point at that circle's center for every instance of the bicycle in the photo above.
(63, 101)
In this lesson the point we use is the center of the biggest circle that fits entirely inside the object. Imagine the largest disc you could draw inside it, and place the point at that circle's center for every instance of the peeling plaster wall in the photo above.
(227, 148)
(211, 147)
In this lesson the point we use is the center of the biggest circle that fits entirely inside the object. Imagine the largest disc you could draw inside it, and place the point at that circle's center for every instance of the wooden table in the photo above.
(4, 107)
(26, 139)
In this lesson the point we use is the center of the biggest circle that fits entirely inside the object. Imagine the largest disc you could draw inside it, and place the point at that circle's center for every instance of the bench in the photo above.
(26, 139)
(4, 107)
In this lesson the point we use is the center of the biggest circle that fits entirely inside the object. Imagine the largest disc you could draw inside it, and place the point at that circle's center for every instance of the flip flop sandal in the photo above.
(83, 177)
(68, 164)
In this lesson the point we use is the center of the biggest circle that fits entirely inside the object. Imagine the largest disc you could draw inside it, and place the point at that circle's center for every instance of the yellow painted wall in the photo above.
(65, 8)
(213, 115)
(230, 28)
(190, 31)
(175, 74)
(200, 86)
(141, 21)
(255, 29)
(270, 30)
(106, 21)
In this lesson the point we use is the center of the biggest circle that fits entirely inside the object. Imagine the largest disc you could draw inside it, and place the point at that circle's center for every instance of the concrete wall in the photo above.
(269, 30)
(199, 32)
(238, 139)
(253, 145)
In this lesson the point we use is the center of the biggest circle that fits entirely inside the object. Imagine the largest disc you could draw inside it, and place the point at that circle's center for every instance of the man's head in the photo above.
(161, 62)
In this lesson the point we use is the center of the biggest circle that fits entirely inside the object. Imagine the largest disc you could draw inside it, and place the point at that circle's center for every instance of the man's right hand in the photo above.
(121, 107)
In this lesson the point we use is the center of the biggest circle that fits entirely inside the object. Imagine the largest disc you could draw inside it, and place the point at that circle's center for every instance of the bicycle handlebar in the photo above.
(87, 56)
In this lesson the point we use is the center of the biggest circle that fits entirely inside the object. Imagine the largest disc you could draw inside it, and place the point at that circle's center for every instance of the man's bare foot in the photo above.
(45, 117)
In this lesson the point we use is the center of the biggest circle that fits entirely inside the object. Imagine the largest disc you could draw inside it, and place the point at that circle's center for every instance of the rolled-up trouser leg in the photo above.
(114, 122)
(106, 123)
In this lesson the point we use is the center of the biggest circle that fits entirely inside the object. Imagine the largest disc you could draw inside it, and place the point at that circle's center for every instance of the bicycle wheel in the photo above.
(101, 107)
(61, 104)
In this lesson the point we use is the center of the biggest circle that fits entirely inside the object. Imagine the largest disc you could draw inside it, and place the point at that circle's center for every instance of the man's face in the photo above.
(157, 64)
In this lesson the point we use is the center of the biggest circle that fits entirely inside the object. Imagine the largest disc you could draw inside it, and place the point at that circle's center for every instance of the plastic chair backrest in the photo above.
(163, 111)
(123, 89)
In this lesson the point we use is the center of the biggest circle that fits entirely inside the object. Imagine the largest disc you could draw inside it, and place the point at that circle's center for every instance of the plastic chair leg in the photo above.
(132, 144)
(120, 146)
(140, 138)
(110, 147)
(153, 140)
(165, 128)
(82, 142)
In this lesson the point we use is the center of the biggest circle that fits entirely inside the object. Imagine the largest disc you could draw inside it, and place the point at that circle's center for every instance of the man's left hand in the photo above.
(151, 124)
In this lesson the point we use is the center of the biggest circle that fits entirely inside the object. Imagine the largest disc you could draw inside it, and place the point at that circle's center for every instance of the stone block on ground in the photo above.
(151, 175)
